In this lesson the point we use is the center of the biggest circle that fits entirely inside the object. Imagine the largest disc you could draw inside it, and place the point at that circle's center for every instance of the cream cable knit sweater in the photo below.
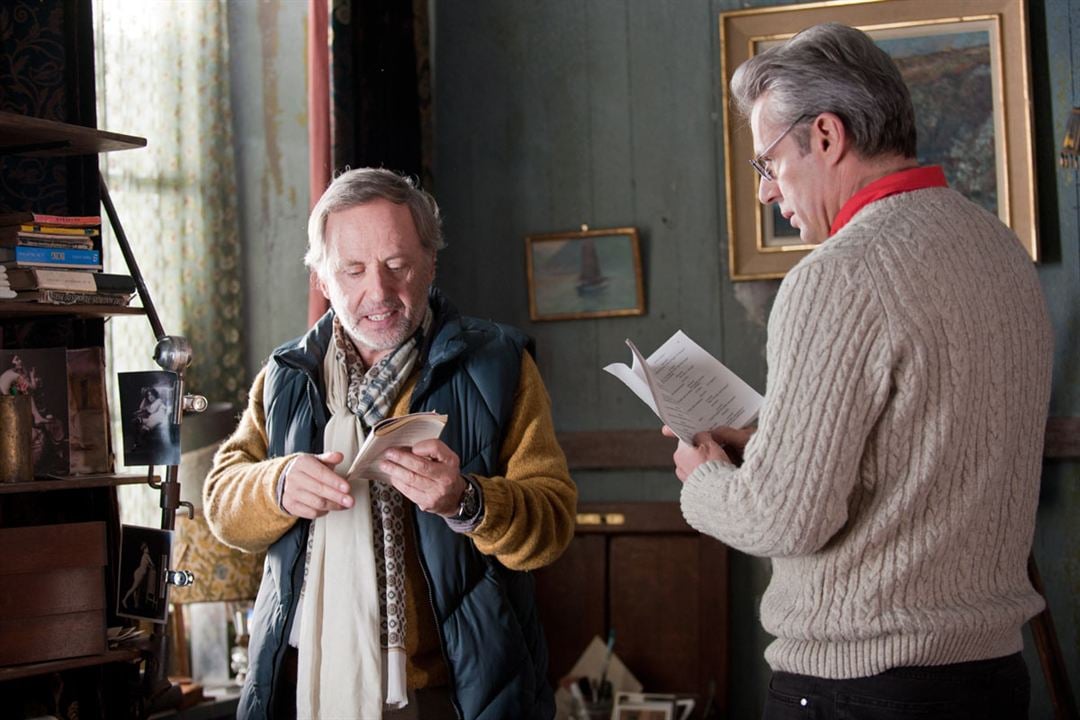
(895, 472)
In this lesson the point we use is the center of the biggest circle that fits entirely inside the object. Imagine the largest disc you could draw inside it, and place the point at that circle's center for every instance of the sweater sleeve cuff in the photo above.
(704, 487)
(496, 502)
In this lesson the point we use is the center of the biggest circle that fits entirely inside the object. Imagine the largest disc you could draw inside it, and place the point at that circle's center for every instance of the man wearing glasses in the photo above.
(893, 477)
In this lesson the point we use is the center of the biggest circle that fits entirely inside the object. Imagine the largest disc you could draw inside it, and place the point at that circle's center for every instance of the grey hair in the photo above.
(838, 69)
(362, 185)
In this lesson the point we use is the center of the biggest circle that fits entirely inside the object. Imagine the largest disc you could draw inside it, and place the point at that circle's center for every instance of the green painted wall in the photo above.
(268, 75)
(607, 112)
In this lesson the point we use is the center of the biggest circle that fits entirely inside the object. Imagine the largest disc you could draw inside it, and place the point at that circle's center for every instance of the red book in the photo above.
(67, 220)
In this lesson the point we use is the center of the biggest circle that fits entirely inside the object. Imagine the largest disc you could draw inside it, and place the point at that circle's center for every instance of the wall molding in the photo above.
(649, 450)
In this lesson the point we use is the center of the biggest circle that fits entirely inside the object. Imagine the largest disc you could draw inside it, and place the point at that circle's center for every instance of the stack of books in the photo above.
(56, 259)
(6, 293)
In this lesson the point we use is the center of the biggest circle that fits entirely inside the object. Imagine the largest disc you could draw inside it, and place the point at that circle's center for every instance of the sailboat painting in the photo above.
(584, 274)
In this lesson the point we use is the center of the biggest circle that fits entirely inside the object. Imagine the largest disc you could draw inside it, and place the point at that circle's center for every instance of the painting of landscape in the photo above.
(590, 274)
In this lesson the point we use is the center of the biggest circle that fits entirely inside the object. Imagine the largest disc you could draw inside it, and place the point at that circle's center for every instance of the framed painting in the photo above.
(584, 274)
(966, 65)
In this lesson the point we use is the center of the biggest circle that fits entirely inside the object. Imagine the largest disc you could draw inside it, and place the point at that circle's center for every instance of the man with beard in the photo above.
(408, 599)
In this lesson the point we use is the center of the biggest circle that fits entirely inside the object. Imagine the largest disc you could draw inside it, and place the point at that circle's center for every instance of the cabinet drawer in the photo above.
(52, 592)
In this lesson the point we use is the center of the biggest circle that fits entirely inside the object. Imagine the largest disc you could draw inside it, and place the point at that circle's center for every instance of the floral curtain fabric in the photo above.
(163, 74)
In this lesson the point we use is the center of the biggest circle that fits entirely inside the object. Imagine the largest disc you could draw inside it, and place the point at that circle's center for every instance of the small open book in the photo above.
(689, 389)
(402, 431)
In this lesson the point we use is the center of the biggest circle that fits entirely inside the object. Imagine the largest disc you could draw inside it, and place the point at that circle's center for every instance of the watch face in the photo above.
(469, 502)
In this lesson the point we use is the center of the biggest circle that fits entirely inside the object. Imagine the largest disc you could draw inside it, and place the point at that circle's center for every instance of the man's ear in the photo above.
(317, 281)
(828, 136)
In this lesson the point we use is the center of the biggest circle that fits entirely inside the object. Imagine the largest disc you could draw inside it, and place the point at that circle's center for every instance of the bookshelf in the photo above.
(35, 137)
(60, 505)
(12, 309)
(73, 482)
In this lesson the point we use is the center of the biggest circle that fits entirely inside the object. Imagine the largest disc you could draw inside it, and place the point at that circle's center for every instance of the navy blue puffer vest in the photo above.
(488, 626)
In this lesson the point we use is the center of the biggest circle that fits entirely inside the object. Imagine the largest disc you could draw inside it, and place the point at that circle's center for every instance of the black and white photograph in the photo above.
(148, 403)
(144, 560)
(42, 374)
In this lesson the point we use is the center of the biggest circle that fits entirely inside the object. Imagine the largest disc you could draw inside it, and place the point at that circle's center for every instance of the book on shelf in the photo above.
(49, 230)
(40, 240)
(688, 389)
(33, 218)
(71, 297)
(29, 256)
(62, 279)
(402, 431)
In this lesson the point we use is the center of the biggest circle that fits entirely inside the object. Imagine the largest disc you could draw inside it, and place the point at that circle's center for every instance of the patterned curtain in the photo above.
(163, 74)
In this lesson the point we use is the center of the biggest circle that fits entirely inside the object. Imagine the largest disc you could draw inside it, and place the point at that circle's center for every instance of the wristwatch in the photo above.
(470, 501)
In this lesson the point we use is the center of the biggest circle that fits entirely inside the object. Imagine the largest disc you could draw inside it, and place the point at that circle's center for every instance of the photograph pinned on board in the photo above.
(42, 374)
(142, 590)
(148, 403)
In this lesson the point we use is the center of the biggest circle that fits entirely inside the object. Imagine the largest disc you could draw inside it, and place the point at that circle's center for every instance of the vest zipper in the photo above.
(435, 613)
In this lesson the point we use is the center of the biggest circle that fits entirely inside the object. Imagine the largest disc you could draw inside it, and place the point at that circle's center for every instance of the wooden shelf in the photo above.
(14, 672)
(22, 135)
(47, 484)
(10, 308)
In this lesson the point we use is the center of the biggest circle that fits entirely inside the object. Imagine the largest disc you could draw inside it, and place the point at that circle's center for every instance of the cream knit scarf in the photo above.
(344, 671)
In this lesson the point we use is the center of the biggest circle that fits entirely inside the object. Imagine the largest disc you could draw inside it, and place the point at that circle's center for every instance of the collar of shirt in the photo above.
(892, 184)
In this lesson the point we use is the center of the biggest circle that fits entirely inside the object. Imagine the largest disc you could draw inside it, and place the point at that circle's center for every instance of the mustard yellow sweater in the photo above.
(528, 510)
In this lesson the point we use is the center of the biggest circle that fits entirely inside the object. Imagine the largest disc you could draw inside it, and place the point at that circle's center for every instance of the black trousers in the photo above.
(998, 689)
(424, 704)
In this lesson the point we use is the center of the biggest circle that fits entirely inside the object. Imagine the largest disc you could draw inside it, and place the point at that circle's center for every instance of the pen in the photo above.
(602, 690)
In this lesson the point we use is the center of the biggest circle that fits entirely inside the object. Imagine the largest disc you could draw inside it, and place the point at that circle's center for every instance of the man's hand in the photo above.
(733, 440)
(312, 488)
(429, 475)
(688, 457)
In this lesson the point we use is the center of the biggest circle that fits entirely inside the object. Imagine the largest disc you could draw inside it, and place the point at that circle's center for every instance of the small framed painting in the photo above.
(584, 274)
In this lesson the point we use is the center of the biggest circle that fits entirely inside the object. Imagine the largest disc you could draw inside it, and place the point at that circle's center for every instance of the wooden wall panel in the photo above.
(639, 569)
(654, 607)
(571, 598)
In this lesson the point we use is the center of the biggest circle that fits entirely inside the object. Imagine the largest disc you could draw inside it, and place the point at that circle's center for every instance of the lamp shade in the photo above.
(221, 573)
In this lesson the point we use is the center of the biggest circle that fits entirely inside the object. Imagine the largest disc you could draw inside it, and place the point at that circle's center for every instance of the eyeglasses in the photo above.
(761, 163)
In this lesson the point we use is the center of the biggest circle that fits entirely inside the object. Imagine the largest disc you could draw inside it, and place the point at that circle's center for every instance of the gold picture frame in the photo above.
(987, 35)
(584, 274)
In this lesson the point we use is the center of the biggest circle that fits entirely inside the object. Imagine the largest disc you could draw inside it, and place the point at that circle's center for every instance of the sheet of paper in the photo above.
(688, 389)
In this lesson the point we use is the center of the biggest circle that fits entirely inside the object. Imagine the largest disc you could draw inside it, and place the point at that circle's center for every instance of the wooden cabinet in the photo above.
(640, 570)
(58, 508)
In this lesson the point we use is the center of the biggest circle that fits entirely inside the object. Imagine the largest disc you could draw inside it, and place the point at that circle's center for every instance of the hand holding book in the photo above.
(688, 389)
(403, 431)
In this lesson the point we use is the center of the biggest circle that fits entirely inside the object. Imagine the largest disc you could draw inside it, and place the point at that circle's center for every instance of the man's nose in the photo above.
(379, 285)
(768, 191)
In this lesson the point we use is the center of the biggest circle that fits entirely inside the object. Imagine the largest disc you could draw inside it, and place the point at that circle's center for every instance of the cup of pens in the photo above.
(16, 449)
(592, 699)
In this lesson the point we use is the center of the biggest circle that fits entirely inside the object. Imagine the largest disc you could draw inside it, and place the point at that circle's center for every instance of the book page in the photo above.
(404, 431)
(634, 377)
(691, 390)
